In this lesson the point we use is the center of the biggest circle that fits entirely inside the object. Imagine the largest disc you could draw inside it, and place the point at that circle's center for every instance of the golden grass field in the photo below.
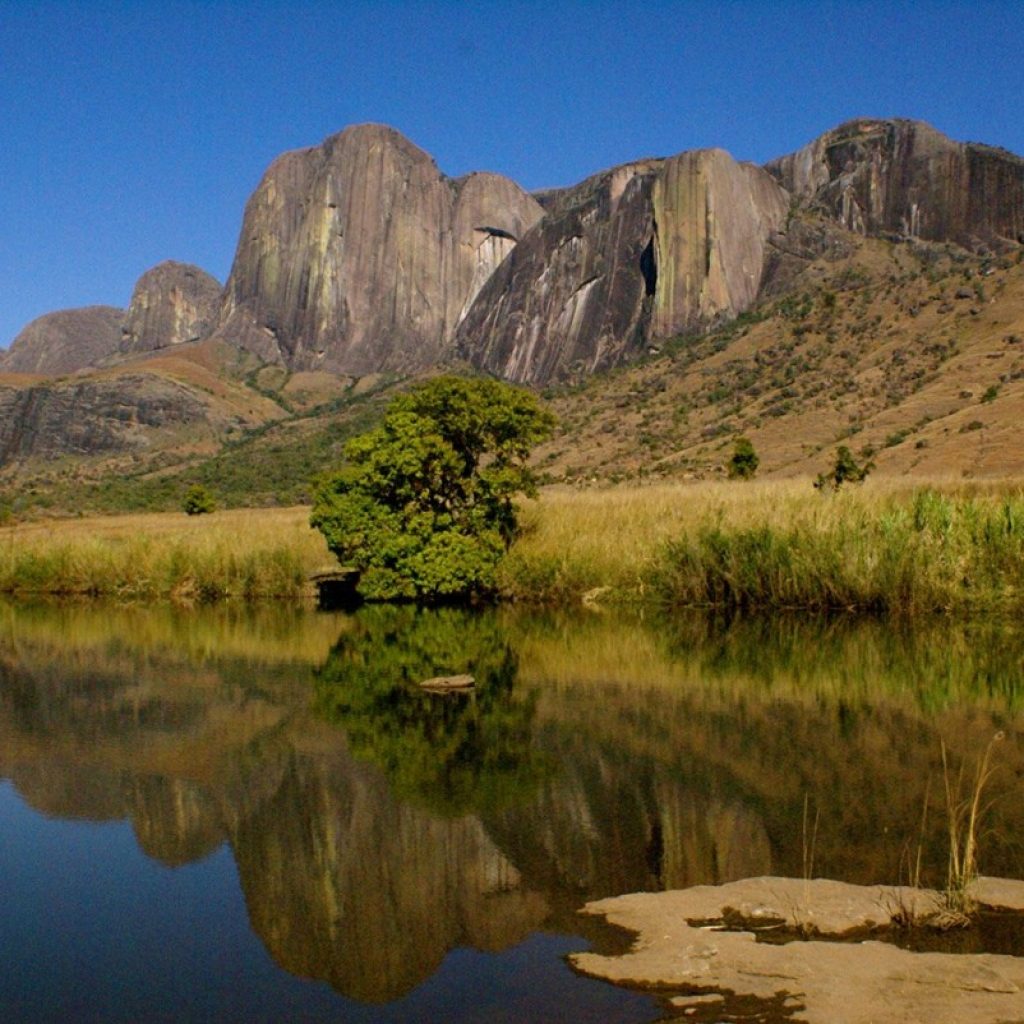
(886, 545)
(236, 553)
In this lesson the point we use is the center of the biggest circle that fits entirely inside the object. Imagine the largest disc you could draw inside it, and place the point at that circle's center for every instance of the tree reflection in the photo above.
(451, 752)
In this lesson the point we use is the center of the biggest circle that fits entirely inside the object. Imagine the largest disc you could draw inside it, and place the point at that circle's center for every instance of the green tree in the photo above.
(744, 461)
(198, 500)
(845, 470)
(424, 506)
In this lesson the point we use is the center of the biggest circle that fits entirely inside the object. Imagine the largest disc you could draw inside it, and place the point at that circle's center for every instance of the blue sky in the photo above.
(134, 132)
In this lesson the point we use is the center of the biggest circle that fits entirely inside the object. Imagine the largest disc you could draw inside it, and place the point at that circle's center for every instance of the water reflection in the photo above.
(452, 752)
(376, 827)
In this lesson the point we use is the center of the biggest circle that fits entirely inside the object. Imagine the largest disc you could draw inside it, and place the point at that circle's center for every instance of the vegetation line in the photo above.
(879, 547)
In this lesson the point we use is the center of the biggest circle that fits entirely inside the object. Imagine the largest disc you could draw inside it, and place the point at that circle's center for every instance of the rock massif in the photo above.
(644, 251)
(358, 255)
(96, 415)
(65, 341)
(172, 303)
(904, 177)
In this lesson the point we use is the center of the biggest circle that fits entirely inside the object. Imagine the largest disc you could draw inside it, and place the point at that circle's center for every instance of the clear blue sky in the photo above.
(133, 132)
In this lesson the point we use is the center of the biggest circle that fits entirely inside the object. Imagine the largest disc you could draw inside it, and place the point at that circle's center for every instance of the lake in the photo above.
(255, 814)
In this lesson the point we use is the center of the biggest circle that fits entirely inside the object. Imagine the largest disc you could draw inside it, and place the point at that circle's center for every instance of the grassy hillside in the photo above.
(269, 434)
(910, 354)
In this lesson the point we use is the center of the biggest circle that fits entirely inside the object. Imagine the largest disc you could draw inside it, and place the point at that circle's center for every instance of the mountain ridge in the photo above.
(589, 279)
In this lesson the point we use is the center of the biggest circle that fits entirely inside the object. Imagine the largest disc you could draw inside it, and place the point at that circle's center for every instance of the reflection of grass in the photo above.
(267, 553)
(931, 664)
(846, 710)
(773, 545)
(262, 632)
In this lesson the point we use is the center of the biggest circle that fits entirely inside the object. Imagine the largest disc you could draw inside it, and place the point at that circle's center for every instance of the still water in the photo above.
(256, 815)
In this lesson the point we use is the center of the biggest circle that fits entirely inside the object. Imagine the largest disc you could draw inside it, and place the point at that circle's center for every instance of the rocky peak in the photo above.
(65, 341)
(359, 255)
(641, 251)
(171, 303)
(895, 176)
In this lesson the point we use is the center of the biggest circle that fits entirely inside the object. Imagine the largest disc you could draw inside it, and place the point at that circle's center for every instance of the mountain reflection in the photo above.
(376, 826)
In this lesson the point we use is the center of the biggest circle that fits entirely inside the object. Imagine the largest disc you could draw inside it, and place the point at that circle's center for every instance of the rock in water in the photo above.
(643, 251)
(358, 255)
(446, 683)
(172, 303)
(65, 341)
(904, 177)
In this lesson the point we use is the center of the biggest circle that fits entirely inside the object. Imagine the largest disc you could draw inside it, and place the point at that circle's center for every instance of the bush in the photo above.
(198, 501)
(744, 462)
(424, 507)
(845, 470)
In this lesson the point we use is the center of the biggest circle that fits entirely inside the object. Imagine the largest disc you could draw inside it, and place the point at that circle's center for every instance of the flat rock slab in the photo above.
(825, 982)
(460, 682)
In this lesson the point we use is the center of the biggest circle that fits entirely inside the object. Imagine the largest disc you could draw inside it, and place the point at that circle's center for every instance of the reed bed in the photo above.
(884, 547)
(238, 553)
(888, 548)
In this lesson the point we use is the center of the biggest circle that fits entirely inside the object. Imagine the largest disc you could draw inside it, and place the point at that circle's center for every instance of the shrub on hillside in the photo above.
(198, 501)
(744, 461)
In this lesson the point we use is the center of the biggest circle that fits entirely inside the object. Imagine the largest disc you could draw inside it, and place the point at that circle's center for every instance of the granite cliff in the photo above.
(172, 303)
(359, 255)
(65, 341)
(641, 252)
(904, 177)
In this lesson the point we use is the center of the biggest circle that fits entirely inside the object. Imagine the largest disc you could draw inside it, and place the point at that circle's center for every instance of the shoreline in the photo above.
(883, 548)
(697, 947)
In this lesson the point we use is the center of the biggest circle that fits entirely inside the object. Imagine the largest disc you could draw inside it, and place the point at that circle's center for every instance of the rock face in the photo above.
(644, 251)
(573, 294)
(94, 415)
(904, 177)
(172, 303)
(358, 255)
(65, 341)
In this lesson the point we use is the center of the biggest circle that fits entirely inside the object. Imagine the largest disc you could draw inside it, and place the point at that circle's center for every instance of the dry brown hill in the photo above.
(909, 353)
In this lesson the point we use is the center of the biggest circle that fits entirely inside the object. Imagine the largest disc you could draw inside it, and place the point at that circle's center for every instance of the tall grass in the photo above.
(751, 546)
(881, 547)
(267, 553)
(965, 815)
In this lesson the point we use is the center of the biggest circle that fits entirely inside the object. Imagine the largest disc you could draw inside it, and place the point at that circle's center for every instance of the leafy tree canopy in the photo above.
(845, 470)
(744, 461)
(424, 505)
(198, 501)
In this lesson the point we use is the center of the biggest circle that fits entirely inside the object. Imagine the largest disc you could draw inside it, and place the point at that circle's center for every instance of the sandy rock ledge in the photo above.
(682, 945)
